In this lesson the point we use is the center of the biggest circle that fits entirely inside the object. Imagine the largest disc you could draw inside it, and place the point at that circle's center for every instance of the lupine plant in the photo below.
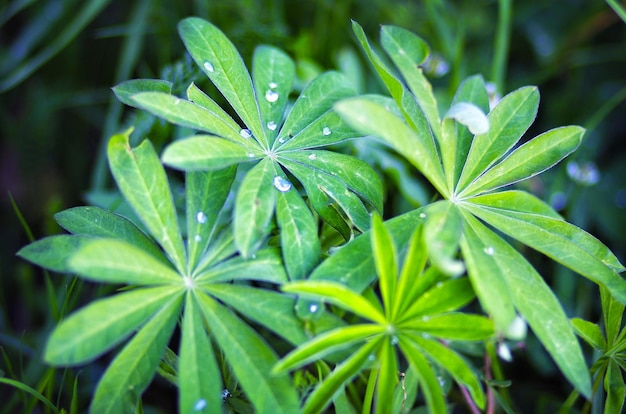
(282, 237)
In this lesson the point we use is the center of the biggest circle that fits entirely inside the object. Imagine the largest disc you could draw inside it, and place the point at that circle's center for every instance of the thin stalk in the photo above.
(501, 44)
(617, 8)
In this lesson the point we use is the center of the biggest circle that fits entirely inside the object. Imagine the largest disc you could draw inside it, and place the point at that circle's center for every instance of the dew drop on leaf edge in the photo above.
(282, 184)
(245, 133)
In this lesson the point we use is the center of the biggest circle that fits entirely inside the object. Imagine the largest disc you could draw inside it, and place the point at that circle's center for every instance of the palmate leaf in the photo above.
(53, 252)
(125, 90)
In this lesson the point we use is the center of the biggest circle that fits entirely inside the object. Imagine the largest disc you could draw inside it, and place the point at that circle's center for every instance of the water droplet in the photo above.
(313, 308)
(201, 217)
(177, 101)
(198, 238)
(273, 85)
(246, 133)
(271, 96)
(425, 318)
(394, 340)
(281, 140)
(225, 394)
(442, 381)
(489, 250)
(199, 405)
(271, 126)
(326, 131)
(422, 215)
(312, 157)
(250, 155)
(282, 184)
(372, 357)
(208, 66)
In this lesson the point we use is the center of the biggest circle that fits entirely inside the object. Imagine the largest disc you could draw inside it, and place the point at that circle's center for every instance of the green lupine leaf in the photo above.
(426, 376)
(188, 114)
(221, 248)
(612, 312)
(454, 364)
(488, 279)
(442, 231)
(265, 265)
(317, 98)
(323, 394)
(510, 118)
(142, 180)
(268, 393)
(130, 373)
(532, 158)
(298, 235)
(328, 129)
(357, 175)
(337, 294)
(562, 241)
(615, 388)
(412, 268)
(219, 60)
(53, 252)
(197, 96)
(408, 52)
(473, 90)
(372, 118)
(206, 152)
(203, 211)
(538, 306)
(517, 201)
(446, 296)
(353, 265)
(254, 207)
(453, 326)
(590, 332)
(326, 344)
(273, 73)
(125, 90)
(96, 328)
(98, 222)
(116, 261)
(201, 387)
(385, 260)
(387, 376)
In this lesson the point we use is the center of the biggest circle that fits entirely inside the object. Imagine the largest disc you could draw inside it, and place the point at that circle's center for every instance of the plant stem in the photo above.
(501, 45)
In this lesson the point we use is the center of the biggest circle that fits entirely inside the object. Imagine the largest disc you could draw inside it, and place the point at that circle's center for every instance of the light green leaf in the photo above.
(452, 326)
(612, 312)
(142, 180)
(326, 344)
(532, 158)
(188, 114)
(517, 201)
(254, 207)
(317, 98)
(219, 60)
(590, 332)
(265, 265)
(615, 388)
(426, 376)
(273, 73)
(125, 90)
(206, 152)
(412, 269)
(328, 129)
(270, 394)
(130, 373)
(474, 91)
(387, 376)
(298, 235)
(96, 328)
(197, 96)
(116, 261)
(446, 296)
(221, 248)
(385, 260)
(454, 364)
(561, 241)
(337, 294)
(203, 211)
(538, 306)
(201, 387)
(442, 231)
(53, 252)
(372, 118)
(508, 121)
(323, 394)
(98, 222)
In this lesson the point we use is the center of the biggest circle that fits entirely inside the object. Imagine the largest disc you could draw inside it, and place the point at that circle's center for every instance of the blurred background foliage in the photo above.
(59, 59)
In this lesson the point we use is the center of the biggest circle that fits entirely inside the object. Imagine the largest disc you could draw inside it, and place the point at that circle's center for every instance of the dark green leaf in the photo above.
(385, 260)
(328, 129)
(265, 265)
(53, 252)
(452, 326)
(445, 296)
(125, 90)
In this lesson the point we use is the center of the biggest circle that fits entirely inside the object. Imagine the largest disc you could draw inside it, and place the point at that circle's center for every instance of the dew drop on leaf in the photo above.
(273, 85)
(225, 394)
(271, 126)
(246, 133)
(312, 157)
(326, 131)
(208, 66)
(313, 308)
(281, 140)
(489, 250)
(422, 215)
(199, 405)
(250, 155)
(201, 217)
(394, 340)
(271, 96)
(177, 101)
(283, 186)
(198, 238)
